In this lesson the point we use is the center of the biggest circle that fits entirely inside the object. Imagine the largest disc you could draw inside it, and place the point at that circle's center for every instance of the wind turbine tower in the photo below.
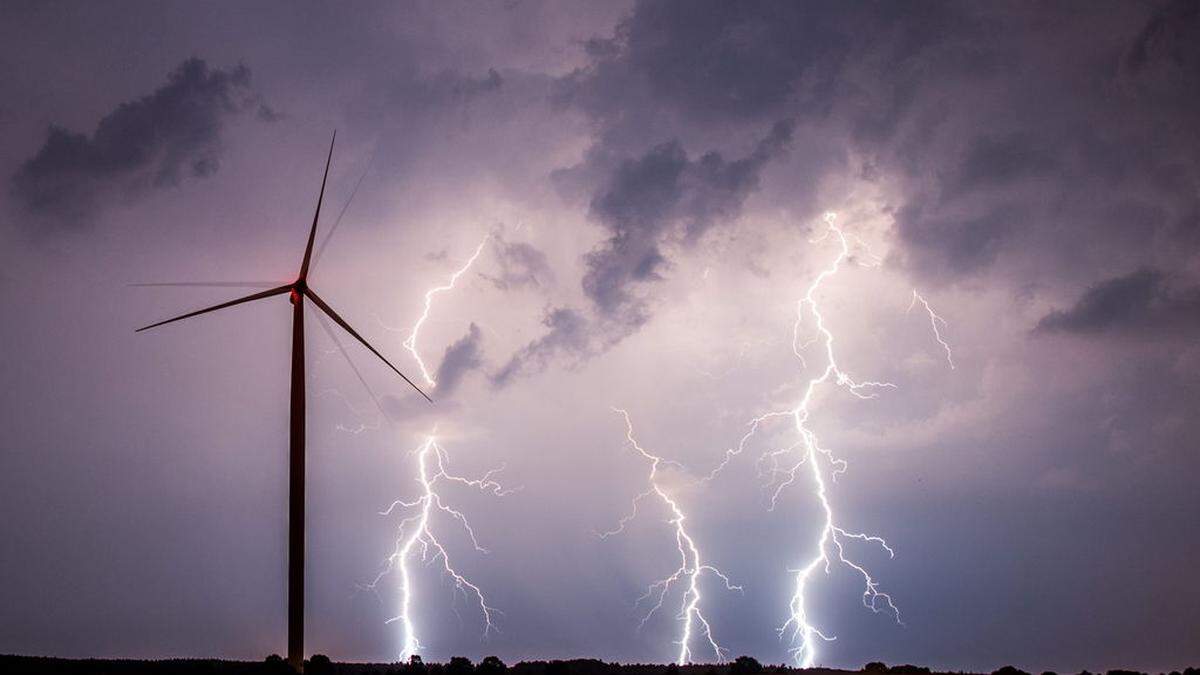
(297, 290)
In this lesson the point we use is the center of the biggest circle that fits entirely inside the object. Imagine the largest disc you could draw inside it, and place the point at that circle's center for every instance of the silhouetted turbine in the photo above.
(298, 290)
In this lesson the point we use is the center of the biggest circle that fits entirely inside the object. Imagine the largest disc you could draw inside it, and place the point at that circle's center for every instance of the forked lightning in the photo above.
(415, 529)
(417, 532)
(782, 467)
(936, 322)
(691, 563)
(411, 343)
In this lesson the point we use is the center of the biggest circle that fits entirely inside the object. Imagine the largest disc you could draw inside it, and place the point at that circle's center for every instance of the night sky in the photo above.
(650, 178)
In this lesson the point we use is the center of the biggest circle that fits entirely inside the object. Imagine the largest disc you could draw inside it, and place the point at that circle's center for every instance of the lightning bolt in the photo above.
(830, 544)
(416, 533)
(782, 467)
(691, 562)
(936, 322)
(411, 343)
(415, 529)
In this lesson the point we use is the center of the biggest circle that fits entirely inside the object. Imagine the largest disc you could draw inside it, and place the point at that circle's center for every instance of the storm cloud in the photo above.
(567, 333)
(460, 358)
(1031, 169)
(151, 142)
(657, 196)
(521, 265)
(1142, 301)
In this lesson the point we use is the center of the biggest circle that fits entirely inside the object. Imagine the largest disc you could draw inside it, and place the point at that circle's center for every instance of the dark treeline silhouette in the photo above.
(322, 665)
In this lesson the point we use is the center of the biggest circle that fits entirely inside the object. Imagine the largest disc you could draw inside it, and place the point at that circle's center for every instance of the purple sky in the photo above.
(652, 176)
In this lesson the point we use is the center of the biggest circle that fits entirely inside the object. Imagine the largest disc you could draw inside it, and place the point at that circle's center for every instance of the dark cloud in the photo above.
(992, 162)
(714, 73)
(567, 332)
(432, 107)
(1143, 301)
(712, 63)
(636, 208)
(521, 265)
(447, 89)
(711, 59)
(953, 244)
(1025, 169)
(1027, 148)
(1164, 59)
(660, 195)
(460, 358)
(268, 114)
(993, 124)
(643, 203)
(153, 141)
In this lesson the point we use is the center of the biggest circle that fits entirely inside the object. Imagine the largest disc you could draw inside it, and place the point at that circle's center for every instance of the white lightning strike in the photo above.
(936, 322)
(832, 536)
(416, 532)
(780, 467)
(691, 563)
(411, 343)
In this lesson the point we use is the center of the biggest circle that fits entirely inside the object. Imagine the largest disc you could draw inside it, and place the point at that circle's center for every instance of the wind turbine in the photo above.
(297, 291)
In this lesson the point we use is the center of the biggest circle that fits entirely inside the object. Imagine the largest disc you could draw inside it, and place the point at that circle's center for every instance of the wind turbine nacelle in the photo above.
(294, 296)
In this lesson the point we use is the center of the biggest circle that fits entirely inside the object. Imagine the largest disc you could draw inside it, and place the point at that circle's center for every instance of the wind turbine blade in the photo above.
(350, 362)
(329, 235)
(312, 233)
(249, 298)
(210, 284)
(345, 326)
